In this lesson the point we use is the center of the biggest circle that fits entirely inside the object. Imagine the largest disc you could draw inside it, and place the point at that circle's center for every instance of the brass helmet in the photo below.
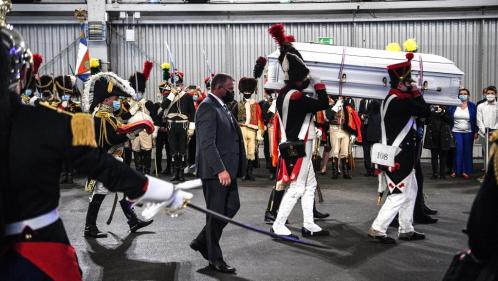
(17, 53)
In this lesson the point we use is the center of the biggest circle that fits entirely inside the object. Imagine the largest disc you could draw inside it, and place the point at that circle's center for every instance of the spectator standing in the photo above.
(464, 130)
(438, 139)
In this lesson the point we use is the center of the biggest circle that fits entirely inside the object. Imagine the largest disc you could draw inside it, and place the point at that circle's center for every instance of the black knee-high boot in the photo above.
(133, 221)
(137, 159)
(91, 229)
(277, 199)
(147, 161)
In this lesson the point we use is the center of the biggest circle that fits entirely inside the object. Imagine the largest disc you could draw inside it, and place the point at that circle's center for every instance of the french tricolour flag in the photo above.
(83, 59)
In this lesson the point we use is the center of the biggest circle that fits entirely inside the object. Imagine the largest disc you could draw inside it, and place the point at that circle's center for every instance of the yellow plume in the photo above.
(393, 47)
(410, 45)
(94, 63)
(165, 66)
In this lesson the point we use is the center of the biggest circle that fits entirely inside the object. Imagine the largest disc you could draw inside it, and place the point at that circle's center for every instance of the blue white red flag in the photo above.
(83, 59)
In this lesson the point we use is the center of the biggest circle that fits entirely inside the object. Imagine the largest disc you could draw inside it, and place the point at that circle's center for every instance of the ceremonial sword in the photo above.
(193, 184)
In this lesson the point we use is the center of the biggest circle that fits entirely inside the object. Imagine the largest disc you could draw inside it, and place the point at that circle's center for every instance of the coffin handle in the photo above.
(425, 85)
(343, 78)
(384, 81)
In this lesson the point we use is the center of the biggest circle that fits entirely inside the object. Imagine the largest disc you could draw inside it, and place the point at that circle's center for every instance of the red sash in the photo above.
(57, 260)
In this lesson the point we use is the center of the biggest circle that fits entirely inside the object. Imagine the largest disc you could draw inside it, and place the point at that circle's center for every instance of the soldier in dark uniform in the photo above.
(35, 245)
(65, 87)
(296, 111)
(267, 115)
(100, 96)
(402, 105)
(179, 111)
(162, 133)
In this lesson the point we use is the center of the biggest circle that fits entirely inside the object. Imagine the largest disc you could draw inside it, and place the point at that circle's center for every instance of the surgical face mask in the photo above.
(195, 97)
(139, 96)
(116, 105)
(28, 92)
(247, 96)
(229, 96)
(463, 97)
(65, 97)
(491, 97)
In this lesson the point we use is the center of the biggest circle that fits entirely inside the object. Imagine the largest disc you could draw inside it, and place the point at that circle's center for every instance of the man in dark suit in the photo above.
(220, 159)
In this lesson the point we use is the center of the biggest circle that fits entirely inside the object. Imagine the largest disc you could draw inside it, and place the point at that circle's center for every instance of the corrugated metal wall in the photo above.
(58, 43)
(234, 48)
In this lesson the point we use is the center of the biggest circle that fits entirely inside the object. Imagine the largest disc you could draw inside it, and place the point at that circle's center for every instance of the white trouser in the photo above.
(303, 187)
(99, 186)
(398, 202)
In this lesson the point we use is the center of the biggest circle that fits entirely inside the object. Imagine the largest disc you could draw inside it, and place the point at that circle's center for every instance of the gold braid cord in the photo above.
(105, 117)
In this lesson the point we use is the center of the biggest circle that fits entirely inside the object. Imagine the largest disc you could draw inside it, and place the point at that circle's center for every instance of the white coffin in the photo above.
(365, 72)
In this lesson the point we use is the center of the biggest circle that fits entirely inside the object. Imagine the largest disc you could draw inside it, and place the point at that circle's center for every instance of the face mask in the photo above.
(28, 92)
(229, 96)
(463, 97)
(116, 105)
(491, 98)
(139, 96)
(195, 98)
(247, 97)
(65, 97)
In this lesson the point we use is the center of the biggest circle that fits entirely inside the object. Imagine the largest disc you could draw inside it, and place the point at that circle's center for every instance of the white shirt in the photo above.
(462, 120)
(217, 98)
(487, 117)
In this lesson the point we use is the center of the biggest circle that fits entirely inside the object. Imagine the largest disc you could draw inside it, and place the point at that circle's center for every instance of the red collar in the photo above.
(404, 95)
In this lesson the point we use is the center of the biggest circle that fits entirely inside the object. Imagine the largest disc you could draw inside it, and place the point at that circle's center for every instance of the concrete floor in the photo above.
(161, 251)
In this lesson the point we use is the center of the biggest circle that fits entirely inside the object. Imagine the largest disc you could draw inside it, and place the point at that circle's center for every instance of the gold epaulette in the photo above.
(83, 130)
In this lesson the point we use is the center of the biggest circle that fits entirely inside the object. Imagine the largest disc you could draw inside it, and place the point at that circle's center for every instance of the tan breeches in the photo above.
(249, 136)
(340, 142)
(142, 142)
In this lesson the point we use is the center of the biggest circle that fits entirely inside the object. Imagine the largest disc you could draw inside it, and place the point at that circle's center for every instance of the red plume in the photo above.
(147, 69)
(290, 38)
(409, 56)
(277, 32)
(37, 61)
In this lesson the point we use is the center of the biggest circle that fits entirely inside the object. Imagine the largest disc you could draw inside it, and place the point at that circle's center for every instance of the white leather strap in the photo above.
(404, 132)
(34, 223)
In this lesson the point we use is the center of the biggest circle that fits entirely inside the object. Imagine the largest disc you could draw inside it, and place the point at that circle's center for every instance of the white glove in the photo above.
(133, 135)
(338, 106)
(352, 138)
(314, 78)
(32, 101)
(318, 133)
(161, 194)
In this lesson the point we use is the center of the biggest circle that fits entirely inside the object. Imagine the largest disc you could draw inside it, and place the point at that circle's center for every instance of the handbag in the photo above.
(466, 267)
(383, 154)
(292, 150)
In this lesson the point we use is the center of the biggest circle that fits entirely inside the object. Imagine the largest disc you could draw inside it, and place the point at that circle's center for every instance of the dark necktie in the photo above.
(230, 116)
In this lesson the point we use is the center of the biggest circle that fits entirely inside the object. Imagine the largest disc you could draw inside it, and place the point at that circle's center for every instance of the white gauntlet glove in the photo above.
(161, 194)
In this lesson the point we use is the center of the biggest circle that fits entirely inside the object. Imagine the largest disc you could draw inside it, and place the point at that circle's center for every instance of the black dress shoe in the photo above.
(92, 231)
(291, 236)
(383, 239)
(424, 220)
(411, 236)
(318, 215)
(269, 217)
(222, 266)
(196, 246)
(137, 224)
(308, 233)
(429, 211)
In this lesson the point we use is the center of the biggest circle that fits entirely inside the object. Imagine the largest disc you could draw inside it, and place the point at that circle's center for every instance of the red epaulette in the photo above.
(296, 95)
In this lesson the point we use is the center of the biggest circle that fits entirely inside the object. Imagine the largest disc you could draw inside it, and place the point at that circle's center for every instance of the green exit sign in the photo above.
(326, 40)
